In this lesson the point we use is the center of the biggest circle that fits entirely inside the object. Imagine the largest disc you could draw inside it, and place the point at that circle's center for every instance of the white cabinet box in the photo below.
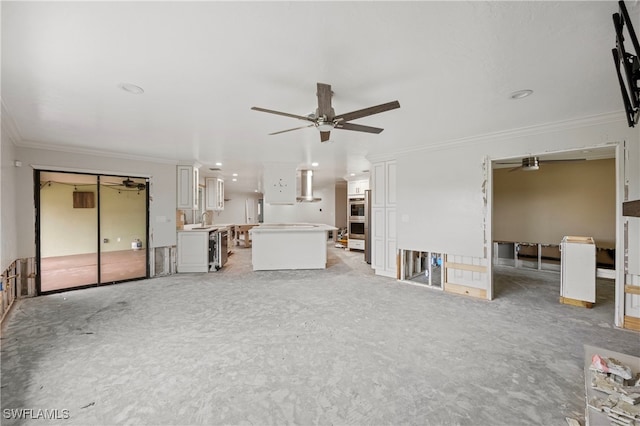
(356, 188)
(193, 251)
(578, 271)
(187, 187)
(355, 244)
(214, 190)
(383, 219)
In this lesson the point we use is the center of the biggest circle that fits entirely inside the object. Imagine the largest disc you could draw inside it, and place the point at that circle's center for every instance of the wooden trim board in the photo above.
(632, 289)
(465, 291)
(575, 302)
(631, 208)
(631, 323)
(465, 267)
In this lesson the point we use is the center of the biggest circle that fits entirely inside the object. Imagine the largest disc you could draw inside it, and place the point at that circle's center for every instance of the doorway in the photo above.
(529, 218)
(91, 229)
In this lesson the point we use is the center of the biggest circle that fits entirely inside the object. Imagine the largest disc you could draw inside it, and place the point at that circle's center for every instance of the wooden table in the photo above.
(243, 230)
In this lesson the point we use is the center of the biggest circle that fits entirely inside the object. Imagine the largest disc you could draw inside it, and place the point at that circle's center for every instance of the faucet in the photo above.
(205, 214)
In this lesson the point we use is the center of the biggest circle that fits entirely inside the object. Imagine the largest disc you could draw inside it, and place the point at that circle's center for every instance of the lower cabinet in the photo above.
(355, 244)
(193, 251)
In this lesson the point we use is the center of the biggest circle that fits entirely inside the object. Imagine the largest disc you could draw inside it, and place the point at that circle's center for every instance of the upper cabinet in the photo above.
(383, 178)
(214, 189)
(356, 188)
(187, 189)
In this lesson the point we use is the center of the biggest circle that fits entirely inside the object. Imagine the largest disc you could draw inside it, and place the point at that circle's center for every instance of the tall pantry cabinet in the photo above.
(383, 219)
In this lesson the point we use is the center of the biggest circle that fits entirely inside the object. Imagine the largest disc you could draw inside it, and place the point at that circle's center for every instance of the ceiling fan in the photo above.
(128, 183)
(533, 163)
(326, 120)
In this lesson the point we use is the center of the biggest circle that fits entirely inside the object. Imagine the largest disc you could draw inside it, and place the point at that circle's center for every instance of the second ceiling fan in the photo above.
(533, 163)
(325, 118)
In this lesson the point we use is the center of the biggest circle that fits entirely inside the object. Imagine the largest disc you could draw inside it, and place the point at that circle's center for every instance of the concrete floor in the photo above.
(336, 346)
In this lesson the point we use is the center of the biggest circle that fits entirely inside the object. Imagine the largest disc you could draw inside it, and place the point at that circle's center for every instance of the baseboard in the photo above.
(631, 323)
(575, 302)
(478, 293)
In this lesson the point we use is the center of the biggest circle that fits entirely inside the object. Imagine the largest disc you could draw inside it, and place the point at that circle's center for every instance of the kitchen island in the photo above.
(289, 246)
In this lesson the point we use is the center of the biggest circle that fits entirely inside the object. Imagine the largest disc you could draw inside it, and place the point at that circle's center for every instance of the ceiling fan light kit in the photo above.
(326, 120)
(530, 164)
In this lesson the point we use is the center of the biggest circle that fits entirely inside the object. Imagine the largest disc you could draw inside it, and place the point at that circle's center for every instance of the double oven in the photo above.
(358, 218)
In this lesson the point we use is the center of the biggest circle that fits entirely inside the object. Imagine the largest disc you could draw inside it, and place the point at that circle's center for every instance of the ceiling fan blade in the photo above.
(324, 136)
(324, 101)
(368, 111)
(358, 128)
(286, 114)
(290, 130)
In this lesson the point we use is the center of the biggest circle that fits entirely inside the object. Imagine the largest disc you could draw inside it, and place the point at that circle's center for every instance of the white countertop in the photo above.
(197, 227)
(291, 227)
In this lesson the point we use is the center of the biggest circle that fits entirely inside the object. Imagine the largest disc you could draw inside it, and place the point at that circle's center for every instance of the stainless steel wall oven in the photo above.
(357, 209)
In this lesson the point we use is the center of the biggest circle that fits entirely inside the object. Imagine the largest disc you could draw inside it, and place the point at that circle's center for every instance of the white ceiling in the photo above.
(203, 65)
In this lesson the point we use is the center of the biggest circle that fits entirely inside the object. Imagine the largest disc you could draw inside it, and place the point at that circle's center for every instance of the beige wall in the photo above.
(341, 205)
(557, 200)
(66, 230)
(123, 216)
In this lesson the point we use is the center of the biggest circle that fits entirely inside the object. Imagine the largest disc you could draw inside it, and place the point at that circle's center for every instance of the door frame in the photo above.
(619, 152)
(37, 170)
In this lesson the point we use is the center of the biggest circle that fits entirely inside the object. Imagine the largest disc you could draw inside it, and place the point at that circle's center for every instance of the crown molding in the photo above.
(9, 125)
(95, 152)
(594, 120)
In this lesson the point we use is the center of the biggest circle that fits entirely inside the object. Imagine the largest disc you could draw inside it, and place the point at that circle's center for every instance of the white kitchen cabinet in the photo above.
(356, 188)
(193, 251)
(214, 190)
(384, 219)
(378, 186)
(187, 187)
(353, 244)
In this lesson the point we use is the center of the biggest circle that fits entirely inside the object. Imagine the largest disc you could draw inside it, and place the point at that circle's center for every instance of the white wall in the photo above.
(8, 209)
(234, 208)
(442, 189)
(317, 212)
(633, 180)
(162, 215)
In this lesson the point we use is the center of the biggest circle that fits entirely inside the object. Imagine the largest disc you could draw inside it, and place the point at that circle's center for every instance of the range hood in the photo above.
(306, 188)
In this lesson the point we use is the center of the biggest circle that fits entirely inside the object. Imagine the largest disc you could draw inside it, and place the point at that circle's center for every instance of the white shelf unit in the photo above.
(578, 270)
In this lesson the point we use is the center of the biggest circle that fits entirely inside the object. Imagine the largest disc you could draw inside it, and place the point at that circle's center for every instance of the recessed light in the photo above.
(218, 164)
(352, 174)
(131, 88)
(234, 180)
(255, 190)
(314, 164)
(521, 94)
(234, 175)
